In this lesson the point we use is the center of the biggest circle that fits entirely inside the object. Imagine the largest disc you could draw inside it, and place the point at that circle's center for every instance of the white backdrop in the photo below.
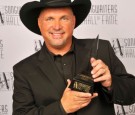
(111, 19)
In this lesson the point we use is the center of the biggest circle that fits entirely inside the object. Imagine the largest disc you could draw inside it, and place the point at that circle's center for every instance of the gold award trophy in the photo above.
(83, 82)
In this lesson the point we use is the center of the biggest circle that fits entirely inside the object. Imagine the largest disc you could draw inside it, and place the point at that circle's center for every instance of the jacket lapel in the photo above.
(49, 68)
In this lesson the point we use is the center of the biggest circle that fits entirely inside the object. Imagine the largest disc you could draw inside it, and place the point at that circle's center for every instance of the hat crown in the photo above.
(55, 1)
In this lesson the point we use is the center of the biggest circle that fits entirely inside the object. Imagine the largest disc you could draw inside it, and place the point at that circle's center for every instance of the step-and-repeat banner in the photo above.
(113, 20)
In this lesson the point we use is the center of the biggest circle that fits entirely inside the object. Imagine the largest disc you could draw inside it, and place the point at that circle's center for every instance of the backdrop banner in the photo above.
(112, 20)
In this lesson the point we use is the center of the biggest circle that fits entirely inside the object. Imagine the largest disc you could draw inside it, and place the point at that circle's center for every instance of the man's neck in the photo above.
(60, 51)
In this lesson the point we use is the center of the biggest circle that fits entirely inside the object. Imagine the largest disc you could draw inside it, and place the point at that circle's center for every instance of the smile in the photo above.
(57, 35)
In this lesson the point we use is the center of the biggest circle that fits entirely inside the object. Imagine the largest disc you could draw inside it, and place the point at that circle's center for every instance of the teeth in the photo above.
(56, 34)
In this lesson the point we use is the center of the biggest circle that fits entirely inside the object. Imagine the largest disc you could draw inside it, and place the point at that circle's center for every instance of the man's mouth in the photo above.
(57, 34)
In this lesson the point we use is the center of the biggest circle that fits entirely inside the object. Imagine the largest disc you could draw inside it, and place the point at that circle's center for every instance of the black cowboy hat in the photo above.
(30, 11)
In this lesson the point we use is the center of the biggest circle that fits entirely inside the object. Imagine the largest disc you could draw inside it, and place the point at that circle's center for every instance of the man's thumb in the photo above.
(68, 83)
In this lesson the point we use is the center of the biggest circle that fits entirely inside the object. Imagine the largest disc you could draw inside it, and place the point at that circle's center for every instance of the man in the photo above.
(42, 81)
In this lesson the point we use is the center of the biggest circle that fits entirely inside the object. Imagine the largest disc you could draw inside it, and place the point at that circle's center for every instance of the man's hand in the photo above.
(74, 100)
(101, 72)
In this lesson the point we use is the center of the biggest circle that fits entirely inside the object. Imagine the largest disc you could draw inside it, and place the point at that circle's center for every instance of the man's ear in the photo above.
(39, 22)
(74, 18)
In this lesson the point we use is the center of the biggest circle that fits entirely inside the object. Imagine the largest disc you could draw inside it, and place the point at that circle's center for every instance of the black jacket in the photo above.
(38, 87)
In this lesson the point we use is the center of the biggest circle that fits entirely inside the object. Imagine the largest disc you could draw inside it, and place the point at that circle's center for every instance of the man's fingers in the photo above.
(82, 94)
(92, 60)
(94, 95)
(99, 73)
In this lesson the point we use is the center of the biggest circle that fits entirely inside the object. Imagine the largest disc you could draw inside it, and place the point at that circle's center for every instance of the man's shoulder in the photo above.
(89, 41)
(28, 61)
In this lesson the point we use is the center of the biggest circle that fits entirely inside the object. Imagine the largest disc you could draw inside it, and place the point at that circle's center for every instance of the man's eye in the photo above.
(48, 19)
(65, 18)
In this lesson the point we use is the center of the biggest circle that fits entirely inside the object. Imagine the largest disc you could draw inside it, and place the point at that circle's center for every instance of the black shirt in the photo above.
(65, 64)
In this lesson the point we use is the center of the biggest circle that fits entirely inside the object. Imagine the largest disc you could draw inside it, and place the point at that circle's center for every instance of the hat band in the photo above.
(55, 1)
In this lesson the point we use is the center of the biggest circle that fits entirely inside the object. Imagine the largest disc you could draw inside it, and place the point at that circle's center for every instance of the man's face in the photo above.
(56, 26)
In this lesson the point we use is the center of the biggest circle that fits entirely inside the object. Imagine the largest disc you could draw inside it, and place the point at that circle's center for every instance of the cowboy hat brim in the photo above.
(30, 11)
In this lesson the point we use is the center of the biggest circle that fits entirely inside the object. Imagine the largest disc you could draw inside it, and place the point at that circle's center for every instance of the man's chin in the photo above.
(58, 46)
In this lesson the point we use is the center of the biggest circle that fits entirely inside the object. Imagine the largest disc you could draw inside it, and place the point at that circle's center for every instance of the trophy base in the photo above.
(82, 83)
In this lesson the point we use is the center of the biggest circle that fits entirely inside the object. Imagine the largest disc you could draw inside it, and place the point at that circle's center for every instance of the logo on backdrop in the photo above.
(127, 110)
(124, 47)
(9, 15)
(6, 81)
(103, 14)
(132, 109)
(1, 49)
(38, 45)
(3, 109)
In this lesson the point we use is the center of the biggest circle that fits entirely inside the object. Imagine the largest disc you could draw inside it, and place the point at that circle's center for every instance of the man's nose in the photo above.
(57, 25)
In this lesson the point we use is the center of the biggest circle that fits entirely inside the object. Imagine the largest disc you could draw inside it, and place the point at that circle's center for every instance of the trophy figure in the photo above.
(83, 82)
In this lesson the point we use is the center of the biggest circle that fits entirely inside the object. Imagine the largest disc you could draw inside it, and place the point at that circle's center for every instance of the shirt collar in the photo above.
(72, 50)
